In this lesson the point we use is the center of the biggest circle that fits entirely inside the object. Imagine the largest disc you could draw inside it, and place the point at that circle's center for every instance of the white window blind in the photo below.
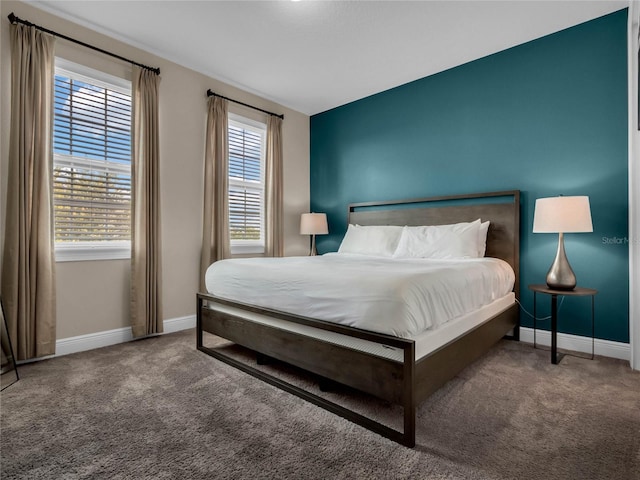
(246, 185)
(91, 163)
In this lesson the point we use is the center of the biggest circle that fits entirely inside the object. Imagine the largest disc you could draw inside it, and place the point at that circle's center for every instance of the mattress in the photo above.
(399, 297)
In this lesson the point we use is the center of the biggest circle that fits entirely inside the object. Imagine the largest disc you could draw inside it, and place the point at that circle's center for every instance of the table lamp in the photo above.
(313, 224)
(562, 215)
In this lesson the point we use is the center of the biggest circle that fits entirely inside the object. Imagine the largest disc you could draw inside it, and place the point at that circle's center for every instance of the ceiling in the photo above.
(312, 56)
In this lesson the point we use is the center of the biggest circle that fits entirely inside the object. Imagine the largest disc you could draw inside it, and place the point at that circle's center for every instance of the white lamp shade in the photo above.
(313, 224)
(562, 215)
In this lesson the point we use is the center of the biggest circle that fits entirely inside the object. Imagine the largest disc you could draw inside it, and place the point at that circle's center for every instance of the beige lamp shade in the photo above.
(562, 215)
(313, 224)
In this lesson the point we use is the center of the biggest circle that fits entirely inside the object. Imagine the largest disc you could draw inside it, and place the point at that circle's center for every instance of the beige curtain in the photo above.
(28, 265)
(215, 232)
(146, 271)
(274, 245)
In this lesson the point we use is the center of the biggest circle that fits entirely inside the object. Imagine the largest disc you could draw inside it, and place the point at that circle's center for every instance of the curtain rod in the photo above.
(13, 19)
(211, 93)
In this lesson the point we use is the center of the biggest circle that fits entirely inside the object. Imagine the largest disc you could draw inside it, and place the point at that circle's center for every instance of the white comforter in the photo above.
(392, 296)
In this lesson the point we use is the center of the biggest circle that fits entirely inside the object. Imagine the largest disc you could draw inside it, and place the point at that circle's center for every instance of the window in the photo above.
(246, 185)
(91, 164)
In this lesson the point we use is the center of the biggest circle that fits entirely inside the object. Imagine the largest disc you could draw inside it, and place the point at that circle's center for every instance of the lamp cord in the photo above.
(543, 318)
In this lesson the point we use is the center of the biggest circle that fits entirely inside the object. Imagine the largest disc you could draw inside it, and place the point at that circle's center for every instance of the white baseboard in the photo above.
(180, 323)
(577, 343)
(81, 343)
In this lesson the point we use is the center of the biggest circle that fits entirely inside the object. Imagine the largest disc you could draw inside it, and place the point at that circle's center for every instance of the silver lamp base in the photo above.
(560, 275)
(313, 252)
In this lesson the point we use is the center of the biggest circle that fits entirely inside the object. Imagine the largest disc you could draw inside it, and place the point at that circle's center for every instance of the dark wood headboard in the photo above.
(502, 209)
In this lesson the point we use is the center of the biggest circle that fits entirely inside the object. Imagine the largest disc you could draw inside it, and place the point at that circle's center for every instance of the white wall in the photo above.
(94, 296)
(634, 187)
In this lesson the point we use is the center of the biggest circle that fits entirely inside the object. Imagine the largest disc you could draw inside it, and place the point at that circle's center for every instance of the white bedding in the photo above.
(400, 297)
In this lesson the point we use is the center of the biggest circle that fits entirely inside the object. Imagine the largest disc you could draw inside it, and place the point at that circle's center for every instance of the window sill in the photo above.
(84, 253)
(247, 249)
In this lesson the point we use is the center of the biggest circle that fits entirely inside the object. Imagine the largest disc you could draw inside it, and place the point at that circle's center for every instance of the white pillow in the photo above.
(376, 240)
(482, 238)
(459, 240)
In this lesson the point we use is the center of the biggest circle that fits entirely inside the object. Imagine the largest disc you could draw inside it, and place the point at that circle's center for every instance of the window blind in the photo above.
(246, 154)
(92, 160)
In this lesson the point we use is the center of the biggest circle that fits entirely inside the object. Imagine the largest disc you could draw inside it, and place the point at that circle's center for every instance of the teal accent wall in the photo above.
(547, 117)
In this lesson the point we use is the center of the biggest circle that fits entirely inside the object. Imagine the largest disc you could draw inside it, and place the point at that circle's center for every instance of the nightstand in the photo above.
(576, 292)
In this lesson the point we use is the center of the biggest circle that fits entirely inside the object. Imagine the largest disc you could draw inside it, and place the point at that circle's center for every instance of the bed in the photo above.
(401, 365)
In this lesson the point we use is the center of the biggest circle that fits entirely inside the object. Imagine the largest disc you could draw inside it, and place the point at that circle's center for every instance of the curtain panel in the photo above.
(146, 268)
(28, 266)
(274, 238)
(215, 231)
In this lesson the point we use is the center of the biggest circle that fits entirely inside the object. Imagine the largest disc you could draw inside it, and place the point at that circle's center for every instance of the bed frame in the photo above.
(406, 382)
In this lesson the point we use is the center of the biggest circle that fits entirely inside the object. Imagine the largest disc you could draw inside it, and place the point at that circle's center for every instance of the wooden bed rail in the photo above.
(206, 321)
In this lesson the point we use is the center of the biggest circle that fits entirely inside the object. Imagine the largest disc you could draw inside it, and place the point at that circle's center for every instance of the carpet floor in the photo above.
(157, 408)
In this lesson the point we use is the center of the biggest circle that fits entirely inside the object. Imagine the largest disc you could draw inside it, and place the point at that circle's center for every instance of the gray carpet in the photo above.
(157, 408)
